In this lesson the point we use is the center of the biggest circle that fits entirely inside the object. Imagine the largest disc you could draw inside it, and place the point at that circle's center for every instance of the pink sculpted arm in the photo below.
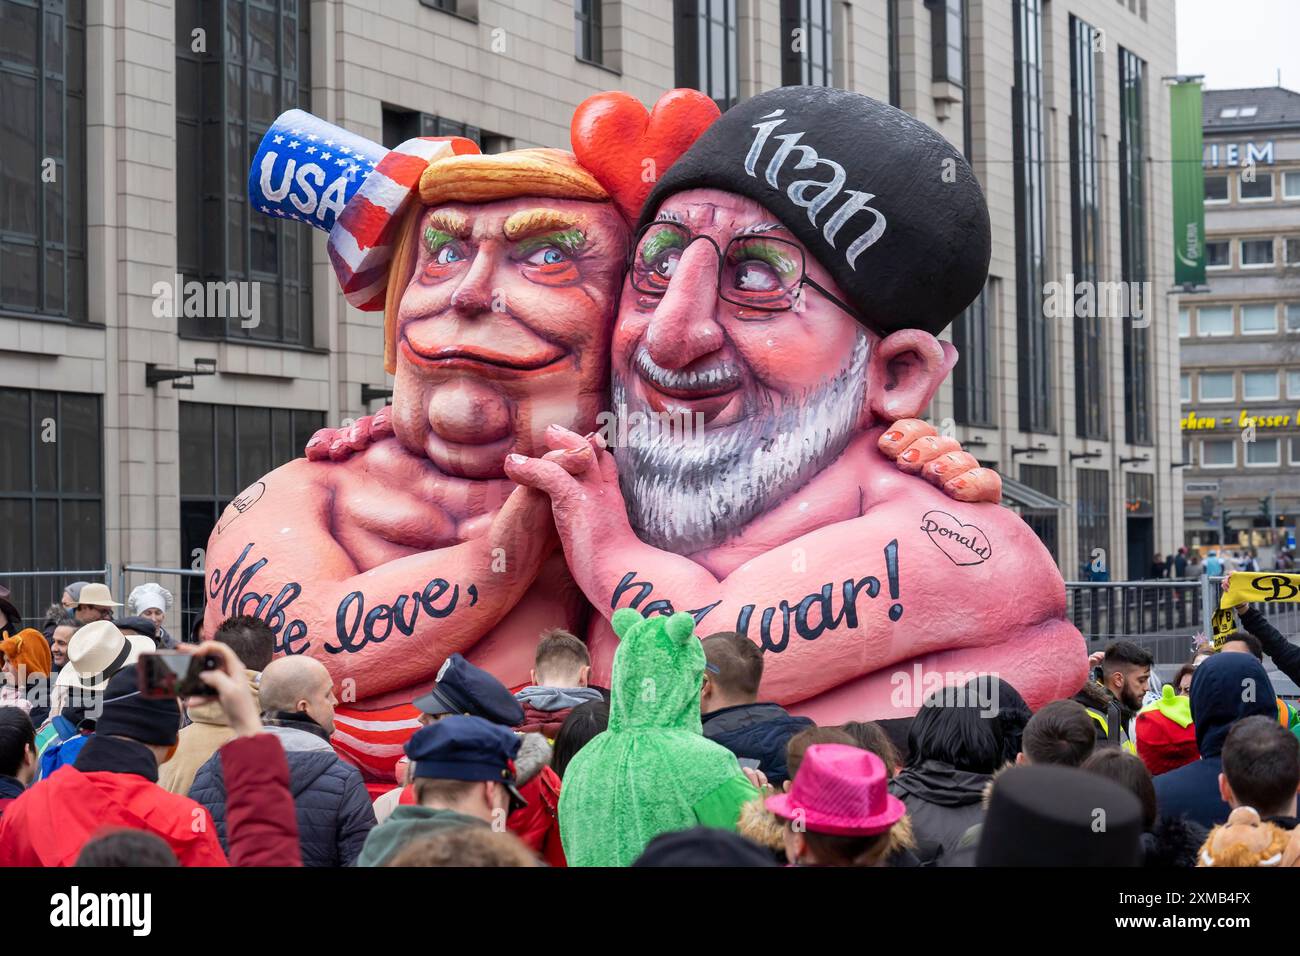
(920, 575)
(384, 627)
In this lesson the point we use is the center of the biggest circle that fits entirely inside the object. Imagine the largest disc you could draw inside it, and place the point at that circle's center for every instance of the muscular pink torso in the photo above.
(327, 521)
(1002, 612)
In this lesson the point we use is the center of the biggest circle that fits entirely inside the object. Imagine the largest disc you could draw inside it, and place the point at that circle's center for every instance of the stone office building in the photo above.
(1240, 340)
(147, 112)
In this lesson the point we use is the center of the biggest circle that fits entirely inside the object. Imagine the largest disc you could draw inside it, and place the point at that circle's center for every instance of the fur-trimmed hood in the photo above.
(765, 828)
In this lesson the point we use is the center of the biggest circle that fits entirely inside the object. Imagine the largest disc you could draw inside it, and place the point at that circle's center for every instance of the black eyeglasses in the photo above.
(757, 272)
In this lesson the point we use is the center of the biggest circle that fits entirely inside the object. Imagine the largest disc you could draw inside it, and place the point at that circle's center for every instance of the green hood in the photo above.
(406, 824)
(651, 771)
(658, 673)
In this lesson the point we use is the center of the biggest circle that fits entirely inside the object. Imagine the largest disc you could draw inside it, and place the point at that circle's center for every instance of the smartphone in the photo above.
(173, 674)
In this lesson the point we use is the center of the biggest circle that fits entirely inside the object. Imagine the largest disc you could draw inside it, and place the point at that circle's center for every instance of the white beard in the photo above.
(687, 493)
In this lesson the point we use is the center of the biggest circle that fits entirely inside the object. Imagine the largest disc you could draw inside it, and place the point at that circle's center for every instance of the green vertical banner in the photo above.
(1189, 183)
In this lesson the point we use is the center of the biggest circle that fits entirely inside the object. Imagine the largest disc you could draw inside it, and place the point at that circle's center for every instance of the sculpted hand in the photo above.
(581, 479)
(918, 449)
(339, 444)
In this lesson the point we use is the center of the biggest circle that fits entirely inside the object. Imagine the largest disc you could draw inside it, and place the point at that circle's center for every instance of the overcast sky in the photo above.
(1240, 43)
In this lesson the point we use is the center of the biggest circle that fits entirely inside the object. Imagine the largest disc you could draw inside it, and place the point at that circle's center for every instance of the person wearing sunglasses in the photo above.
(784, 292)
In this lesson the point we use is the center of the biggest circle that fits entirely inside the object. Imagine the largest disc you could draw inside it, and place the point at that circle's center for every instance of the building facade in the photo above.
(125, 177)
(1240, 339)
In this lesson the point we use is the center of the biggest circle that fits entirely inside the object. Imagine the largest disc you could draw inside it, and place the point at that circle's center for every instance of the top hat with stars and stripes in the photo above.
(311, 171)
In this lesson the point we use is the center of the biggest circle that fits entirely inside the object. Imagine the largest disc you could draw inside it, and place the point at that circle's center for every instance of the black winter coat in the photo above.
(333, 807)
(756, 732)
(943, 803)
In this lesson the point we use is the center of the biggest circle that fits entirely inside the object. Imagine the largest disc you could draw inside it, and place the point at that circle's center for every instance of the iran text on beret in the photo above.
(888, 206)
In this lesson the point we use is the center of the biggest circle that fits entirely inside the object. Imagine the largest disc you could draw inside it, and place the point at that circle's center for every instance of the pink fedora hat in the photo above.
(839, 790)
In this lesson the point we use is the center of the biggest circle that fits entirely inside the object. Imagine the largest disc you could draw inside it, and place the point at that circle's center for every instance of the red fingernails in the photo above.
(958, 483)
(910, 455)
(893, 436)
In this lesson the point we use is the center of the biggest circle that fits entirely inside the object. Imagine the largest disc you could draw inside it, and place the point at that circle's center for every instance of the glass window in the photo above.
(224, 449)
(1044, 523)
(43, 162)
(1262, 451)
(806, 31)
(1184, 323)
(1033, 331)
(51, 490)
(1293, 383)
(586, 30)
(1214, 320)
(259, 69)
(1217, 254)
(1216, 387)
(1256, 252)
(1186, 387)
(1259, 318)
(1093, 504)
(1256, 386)
(973, 396)
(1219, 453)
(1293, 251)
(1293, 316)
(946, 41)
(1216, 188)
(1255, 187)
(1133, 244)
(1291, 185)
(705, 48)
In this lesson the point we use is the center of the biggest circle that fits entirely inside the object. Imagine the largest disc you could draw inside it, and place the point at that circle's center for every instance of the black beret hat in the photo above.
(1060, 816)
(462, 688)
(887, 205)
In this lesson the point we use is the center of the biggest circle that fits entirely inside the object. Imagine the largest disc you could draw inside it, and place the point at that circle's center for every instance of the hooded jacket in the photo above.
(205, 735)
(546, 708)
(112, 786)
(652, 770)
(757, 731)
(332, 804)
(405, 825)
(943, 803)
(1225, 688)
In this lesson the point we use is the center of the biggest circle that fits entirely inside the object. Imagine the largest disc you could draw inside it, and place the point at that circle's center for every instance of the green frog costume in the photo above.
(652, 770)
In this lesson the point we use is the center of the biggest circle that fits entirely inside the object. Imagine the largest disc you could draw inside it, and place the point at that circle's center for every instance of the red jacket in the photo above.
(50, 823)
(261, 822)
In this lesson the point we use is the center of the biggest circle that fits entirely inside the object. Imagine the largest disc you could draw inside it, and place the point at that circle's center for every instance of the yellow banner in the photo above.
(1224, 623)
(1253, 587)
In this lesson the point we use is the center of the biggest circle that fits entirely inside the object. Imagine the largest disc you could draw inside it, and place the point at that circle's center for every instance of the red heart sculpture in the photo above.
(627, 149)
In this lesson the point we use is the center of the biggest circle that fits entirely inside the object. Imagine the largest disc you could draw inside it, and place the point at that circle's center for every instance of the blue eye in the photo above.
(448, 254)
(552, 256)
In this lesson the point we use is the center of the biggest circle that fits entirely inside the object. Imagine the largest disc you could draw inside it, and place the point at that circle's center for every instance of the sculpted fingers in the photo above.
(576, 461)
(541, 474)
(949, 466)
(978, 484)
(923, 451)
(318, 446)
(901, 434)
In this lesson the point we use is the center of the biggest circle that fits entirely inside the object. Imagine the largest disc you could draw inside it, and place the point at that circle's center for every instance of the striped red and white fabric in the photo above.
(361, 243)
(372, 740)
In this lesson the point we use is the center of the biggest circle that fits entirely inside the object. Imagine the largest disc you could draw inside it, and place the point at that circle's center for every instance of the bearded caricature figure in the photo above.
(789, 275)
(497, 277)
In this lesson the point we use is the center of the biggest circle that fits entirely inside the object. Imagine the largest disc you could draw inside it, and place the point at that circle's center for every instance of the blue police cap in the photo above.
(465, 748)
(462, 688)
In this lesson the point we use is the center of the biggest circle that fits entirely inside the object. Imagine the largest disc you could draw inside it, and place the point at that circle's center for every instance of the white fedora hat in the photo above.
(98, 651)
(97, 594)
